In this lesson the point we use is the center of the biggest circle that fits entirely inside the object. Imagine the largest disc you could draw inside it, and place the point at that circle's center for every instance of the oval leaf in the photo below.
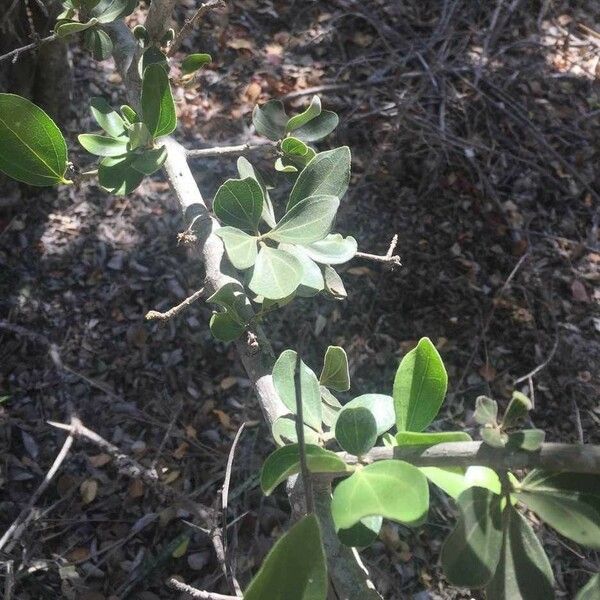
(318, 128)
(335, 374)
(270, 120)
(327, 173)
(419, 387)
(239, 203)
(312, 281)
(332, 250)
(380, 406)
(376, 490)
(240, 247)
(412, 438)
(284, 432)
(150, 161)
(107, 118)
(117, 176)
(245, 169)
(276, 274)
(158, 108)
(98, 42)
(307, 221)
(364, 533)
(285, 462)
(102, 145)
(295, 568)
(32, 148)
(313, 110)
(193, 62)
(356, 430)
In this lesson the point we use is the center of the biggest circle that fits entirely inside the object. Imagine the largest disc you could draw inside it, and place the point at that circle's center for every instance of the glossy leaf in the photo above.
(193, 62)
(379, 405)
(313, 110)
(332, 250)
(116, 175)
(150, 161)
(471, 552)
(362, 534)
(32, 148)
(295, 568)
(306, 222)
(285, 462)
(284, 432)
(241, 247)
(523, 572)
(158, 108)
(98, 42)
(328, 173)
(333, 283)
(270, 120)
(376, 490)
(419, 387)
(486, 411)
(412, 438)
(591, 590)
(276, 274)
(356, 430)
(239, 203)
(152, 56)
(102, 145)
(108, 118)
(246, 169)
(335, 374)
(318, 128)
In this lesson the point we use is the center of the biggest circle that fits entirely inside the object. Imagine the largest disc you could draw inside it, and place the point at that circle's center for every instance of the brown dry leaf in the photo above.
(252, 92)
(224, 418)
(190, 432)
(99, 460)
(362, 39)
(181, 450)
(228, 382)
(359, 271)
(88, 490)
(240, 44)
(78, 554)
(135, 489)
(579, 292)
(171, 476)
(487, 372)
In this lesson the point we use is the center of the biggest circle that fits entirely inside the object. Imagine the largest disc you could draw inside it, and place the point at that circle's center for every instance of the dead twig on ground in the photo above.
(388, 258)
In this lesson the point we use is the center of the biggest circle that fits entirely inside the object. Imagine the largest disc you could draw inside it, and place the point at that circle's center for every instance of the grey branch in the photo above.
(220, 151)
(575, 458)
(388, 258)
(15, 53)
(195, 593)
(172, 312)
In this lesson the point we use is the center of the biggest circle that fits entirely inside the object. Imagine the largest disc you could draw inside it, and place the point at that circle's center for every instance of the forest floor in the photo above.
(475, 137)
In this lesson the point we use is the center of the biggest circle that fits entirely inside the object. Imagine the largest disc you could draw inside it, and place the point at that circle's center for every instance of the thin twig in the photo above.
(25, 516)
(306, 480)
(169, 314)
(388, 258)
(541, 366)
(9, 579)
(195, 593)
(191, 23)
(35, 44)
(221, 151)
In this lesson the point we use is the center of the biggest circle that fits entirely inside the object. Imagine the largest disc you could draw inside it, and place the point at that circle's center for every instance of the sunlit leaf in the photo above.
(158, 108)
(335, 374)
(239, 203)
(241, 247)
(332, 250)
(413, 438)
(193, 62)
(276, 274)
(108, 118)
(246, 169)
(486, 411)
(380, 406)
(356, 430)
(102, 145)
(116, 175)
(284, 432)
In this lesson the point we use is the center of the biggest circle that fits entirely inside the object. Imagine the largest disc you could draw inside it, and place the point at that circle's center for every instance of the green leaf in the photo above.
(568, 502)
(313, 110)
(419, 387)
(591, 590)
(333, 283)
(239, 203)
(150, 161)
(193, 62)
(526, 439)
(311, 397)
(379, 405)
(328, 173)
(108, 11)
(32, 148)
(108, 118)
(276, 274)
(455, 480)
(356, 430)
(362, 534)
(335, 374)
(245, 170)
(98, 42)
(306, 222)
(225, 328)
(518, 408)
(240, 247)
(283, 378)
(270, 120)
(295, 568)
(318, 128)
(471, 552)
(152, 56)
(412, 438)
(101, 145)
(493, 436)
(312, 281)
(284, 167)
(296, 153)
(139, 137)
(284, 432)
(285, 462)
(158, 108)
(116, 175)
(331, 407)
(332, 250)
(376, 490)
(129, 114)
(230, 324)
(486, 411)
(66, 29)
(524, 572)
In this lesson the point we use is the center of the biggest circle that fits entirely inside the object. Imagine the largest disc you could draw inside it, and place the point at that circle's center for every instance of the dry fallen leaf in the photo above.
(224, 418)
(99, 460)
(240, 44)
(88, 490)
(579, 292)
(135, 489)
(228, 382)
(487, 372)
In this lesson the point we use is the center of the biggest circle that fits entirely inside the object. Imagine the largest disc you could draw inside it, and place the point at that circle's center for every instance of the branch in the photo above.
(388, 258)
(172, 312)
(227, 150)
(195, 593)
(35, 44)
(575, 458)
